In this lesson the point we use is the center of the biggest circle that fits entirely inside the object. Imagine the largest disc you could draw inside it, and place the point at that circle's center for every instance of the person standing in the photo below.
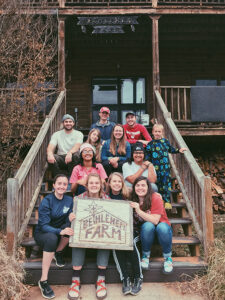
(157, 152)
(135, 132)
(67, 141)
(104, 125)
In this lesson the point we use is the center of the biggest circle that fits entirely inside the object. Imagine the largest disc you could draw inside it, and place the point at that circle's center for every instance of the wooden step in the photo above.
(182, 221)
(62, 276)
(187, 240)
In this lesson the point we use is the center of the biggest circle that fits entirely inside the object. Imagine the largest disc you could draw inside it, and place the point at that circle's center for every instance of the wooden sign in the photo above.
(102, 224)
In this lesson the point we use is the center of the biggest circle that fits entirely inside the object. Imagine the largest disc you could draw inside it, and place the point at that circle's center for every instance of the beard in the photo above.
(68, 128)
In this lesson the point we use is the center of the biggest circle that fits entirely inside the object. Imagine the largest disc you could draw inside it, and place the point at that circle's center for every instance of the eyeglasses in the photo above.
(138, 152)
(87, 151)
(105, 112)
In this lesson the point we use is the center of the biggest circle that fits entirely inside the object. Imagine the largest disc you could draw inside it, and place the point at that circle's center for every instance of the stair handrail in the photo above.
(24, 188)
(194, 185)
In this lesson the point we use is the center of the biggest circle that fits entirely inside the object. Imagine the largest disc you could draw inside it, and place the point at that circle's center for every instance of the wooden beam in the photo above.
(207, 212)
(61, 54)
(155, 59)
(12, 214)
(129, 10)
(202, 131)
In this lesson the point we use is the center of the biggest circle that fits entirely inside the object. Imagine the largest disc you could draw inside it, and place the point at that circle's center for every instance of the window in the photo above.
(120, 95)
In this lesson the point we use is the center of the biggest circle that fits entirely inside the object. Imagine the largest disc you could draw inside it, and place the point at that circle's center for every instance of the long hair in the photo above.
(124, 191)
(122, 143)
(148, 197)
(97, 144)
(81, 161)
(101, 191)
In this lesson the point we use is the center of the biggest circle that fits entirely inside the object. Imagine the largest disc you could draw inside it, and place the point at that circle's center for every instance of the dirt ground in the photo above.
(150, 291)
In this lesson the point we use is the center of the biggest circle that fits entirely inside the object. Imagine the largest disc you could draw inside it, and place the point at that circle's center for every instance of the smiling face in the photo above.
(138, 157)
(87, 154)
(94, 136)
(103, 116)
(68, 124)
(157, 132)
(118, 132)
(131, 120)
(141, 188)
(94, 186)
(60, 186)
(116, 184)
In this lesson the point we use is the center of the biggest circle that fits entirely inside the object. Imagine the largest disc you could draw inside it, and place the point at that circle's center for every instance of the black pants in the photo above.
(110, 169)
(48, 241)
(123, 257)
(60, 167)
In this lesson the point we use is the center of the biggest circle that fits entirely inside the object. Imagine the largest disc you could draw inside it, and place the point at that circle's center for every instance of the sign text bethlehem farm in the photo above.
(104, 224)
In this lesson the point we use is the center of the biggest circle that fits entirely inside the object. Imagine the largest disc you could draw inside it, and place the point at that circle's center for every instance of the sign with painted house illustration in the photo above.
(102, 224)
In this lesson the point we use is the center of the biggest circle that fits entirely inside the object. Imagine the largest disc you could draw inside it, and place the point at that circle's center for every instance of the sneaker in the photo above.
(168, 266)
(46, 290)
(145, 262)
(126, 288)
(136, 286)
(74, 290)
(101, 292)
(59, 261)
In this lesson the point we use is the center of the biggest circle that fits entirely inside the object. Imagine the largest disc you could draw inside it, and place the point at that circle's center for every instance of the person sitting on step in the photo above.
(151, 221)
(115, 151)
(86, 166)
(94, 189)
(94, 138)
(117, 190)
(53, 229)
(67, 141)
(157, 152)
(137, 166)
(104, 125)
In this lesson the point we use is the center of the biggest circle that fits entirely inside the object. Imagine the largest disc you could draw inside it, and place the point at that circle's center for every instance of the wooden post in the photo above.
(12, 201)
(61, 54)
(207, 215)
(155, 59)
(61, 3)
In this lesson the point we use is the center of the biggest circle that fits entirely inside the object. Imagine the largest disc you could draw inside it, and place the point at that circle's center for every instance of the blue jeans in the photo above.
(78, 257)
(162, 231)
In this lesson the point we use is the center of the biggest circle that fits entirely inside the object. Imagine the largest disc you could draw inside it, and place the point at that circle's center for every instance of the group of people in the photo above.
(120, 162)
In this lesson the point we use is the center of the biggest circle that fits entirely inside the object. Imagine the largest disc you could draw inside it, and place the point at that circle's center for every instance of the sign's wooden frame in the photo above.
(102, 224)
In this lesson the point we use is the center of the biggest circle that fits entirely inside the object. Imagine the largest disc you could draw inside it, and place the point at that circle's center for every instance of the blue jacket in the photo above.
(54, 214)
(105, 129)
(106, 154)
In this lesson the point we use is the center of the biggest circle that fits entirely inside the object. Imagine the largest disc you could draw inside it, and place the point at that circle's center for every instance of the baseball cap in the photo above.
(105, 109)
(138, 147)
(130, 113)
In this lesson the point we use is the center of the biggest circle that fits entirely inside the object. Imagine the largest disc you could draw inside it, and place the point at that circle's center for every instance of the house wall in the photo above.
(190, 48)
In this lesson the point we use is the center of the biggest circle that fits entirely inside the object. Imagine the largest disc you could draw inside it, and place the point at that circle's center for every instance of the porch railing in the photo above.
(152, 3)
(23, 189)
(178, 102)
(194, 185)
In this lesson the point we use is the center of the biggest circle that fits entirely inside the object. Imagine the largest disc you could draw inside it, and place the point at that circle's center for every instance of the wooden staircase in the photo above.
(184, 241)
(191, 216)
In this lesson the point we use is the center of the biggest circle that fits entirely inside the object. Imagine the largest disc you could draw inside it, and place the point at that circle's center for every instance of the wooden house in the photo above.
(156, 57)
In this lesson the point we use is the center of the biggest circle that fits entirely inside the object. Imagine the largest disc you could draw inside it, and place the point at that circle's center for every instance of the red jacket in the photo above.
(138, 132)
